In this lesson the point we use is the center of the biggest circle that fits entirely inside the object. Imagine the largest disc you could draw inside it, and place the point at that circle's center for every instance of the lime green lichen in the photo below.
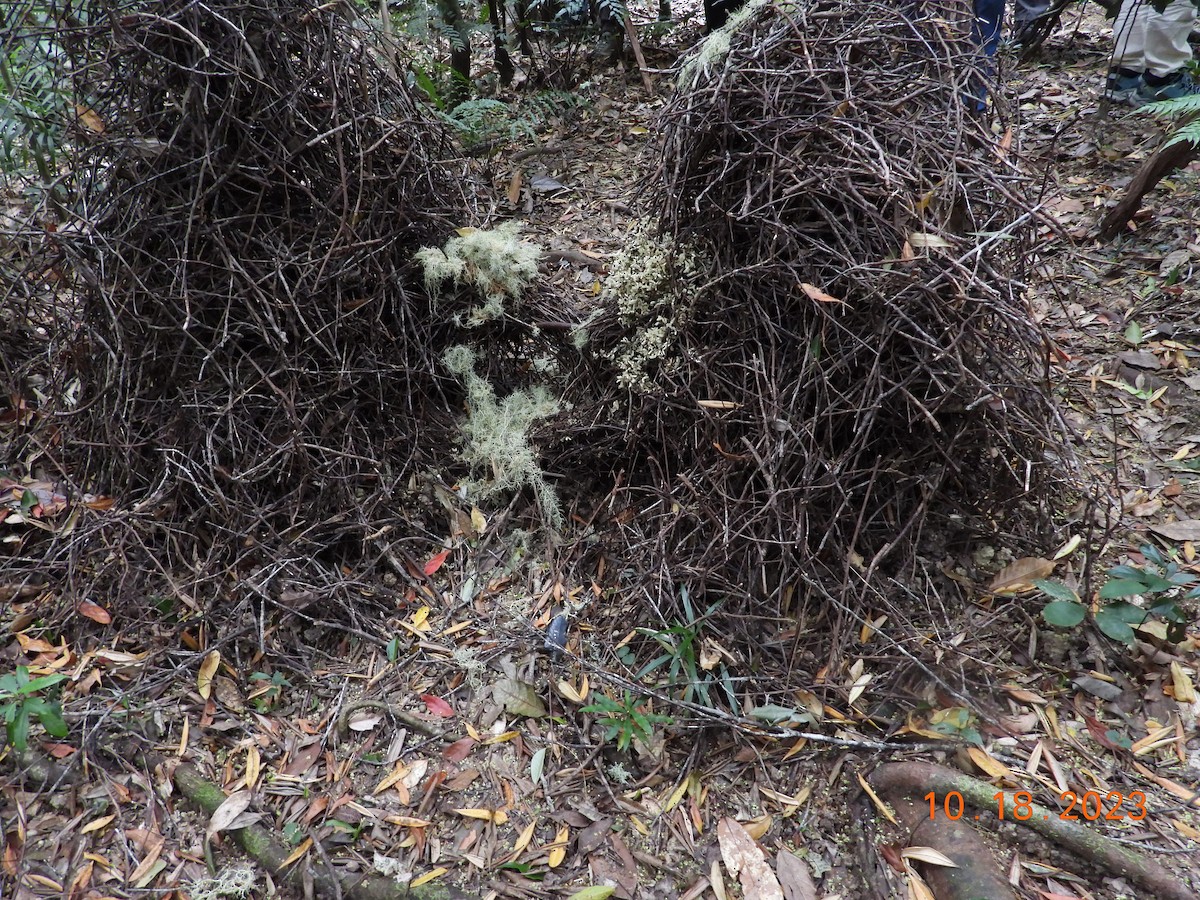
(494, 264)
(496, 435)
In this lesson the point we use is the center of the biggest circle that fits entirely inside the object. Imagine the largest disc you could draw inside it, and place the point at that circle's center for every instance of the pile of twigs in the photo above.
(258, 365)
(858, 364)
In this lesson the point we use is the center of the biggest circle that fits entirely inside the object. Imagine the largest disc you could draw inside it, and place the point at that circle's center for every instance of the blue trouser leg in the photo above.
(985, 32)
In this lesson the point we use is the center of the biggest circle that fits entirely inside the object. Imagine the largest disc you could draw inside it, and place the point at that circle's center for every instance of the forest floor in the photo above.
(459, 752)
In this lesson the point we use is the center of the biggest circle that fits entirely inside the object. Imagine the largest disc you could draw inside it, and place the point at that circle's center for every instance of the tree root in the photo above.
(1165, 160)
(914, 780)
(977, 876)
(271, 854)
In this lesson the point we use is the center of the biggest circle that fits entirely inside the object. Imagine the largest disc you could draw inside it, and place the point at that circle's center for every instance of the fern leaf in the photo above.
(1189, 132)
(1174, 108)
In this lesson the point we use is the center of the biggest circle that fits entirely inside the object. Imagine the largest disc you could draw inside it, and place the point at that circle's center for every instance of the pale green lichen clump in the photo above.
(494, 263)
(652, 281)
(715, 47)
(496, 435)
(230, 883)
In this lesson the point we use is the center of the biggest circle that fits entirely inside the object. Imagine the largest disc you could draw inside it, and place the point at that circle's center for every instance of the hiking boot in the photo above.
(1124, 86)
(1176, 86)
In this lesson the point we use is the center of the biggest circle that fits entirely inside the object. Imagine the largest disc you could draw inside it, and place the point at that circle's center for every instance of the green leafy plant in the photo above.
(1161, 584)
(20, 705)
(681, 656)
(484, 121)
(625, 719)
(35, 99)
(1184, 112)
(269, 690)
(957, 722)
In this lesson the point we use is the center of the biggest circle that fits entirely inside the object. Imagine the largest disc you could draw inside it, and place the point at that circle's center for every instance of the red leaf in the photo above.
(459, 750)
(892, 857)
(58, 751)
(90, 610)
(1100, 733)
(437, 706)
(436, 562)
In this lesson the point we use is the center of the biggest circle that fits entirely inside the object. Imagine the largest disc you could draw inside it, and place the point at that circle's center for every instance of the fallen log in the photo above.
(1166, 159)
(916, 779)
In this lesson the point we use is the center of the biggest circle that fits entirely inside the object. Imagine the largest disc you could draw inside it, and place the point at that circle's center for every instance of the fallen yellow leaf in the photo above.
(208, 669)
(558, 850)
(429, 876)
(96, 824)
(879, 804)
(297, 853)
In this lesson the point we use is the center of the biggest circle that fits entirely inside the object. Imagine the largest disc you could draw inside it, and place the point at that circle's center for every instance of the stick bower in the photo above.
(258, 366)
(850, 362)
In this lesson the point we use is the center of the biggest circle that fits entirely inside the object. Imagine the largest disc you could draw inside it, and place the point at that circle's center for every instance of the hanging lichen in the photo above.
(496, 435)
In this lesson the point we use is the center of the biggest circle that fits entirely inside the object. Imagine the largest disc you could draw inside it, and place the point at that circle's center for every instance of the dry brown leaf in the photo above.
(96, 824)
(917, 888)
(558, 850)
(987, 764)
(923, 239)
(879, 804)
(297, 853)
(1020, 575)
(89, 119)
(95, 612)
(525, 837)
(1181, 682)
(759, 826)
(407, 821)
(794, 877)
(815, 293)
(303, 760)
(1189, 796)
(1186, 830)
(253, 766)
(231, 807)
(746, 861)
(1183, 530)
(928, 855)
(391, 778)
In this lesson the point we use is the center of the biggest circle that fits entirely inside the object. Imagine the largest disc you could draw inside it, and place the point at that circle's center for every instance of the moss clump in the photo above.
(496, 435)
(494, 263)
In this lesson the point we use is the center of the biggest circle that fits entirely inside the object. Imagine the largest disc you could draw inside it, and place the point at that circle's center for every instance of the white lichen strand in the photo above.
(716, 46)
(496, 436)
(494, 264)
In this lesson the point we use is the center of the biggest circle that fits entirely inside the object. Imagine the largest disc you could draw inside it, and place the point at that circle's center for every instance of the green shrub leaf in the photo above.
(1114, 626)
(1122, 587)
(1057, 590)
(1064, 613)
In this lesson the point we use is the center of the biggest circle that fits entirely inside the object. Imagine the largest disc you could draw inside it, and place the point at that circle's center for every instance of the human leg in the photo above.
(1151, 51)
(985, 29)
(1165, 42)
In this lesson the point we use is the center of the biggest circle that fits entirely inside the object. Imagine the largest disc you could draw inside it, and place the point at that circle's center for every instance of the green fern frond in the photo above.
(1174, 108)
(1189, 132)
